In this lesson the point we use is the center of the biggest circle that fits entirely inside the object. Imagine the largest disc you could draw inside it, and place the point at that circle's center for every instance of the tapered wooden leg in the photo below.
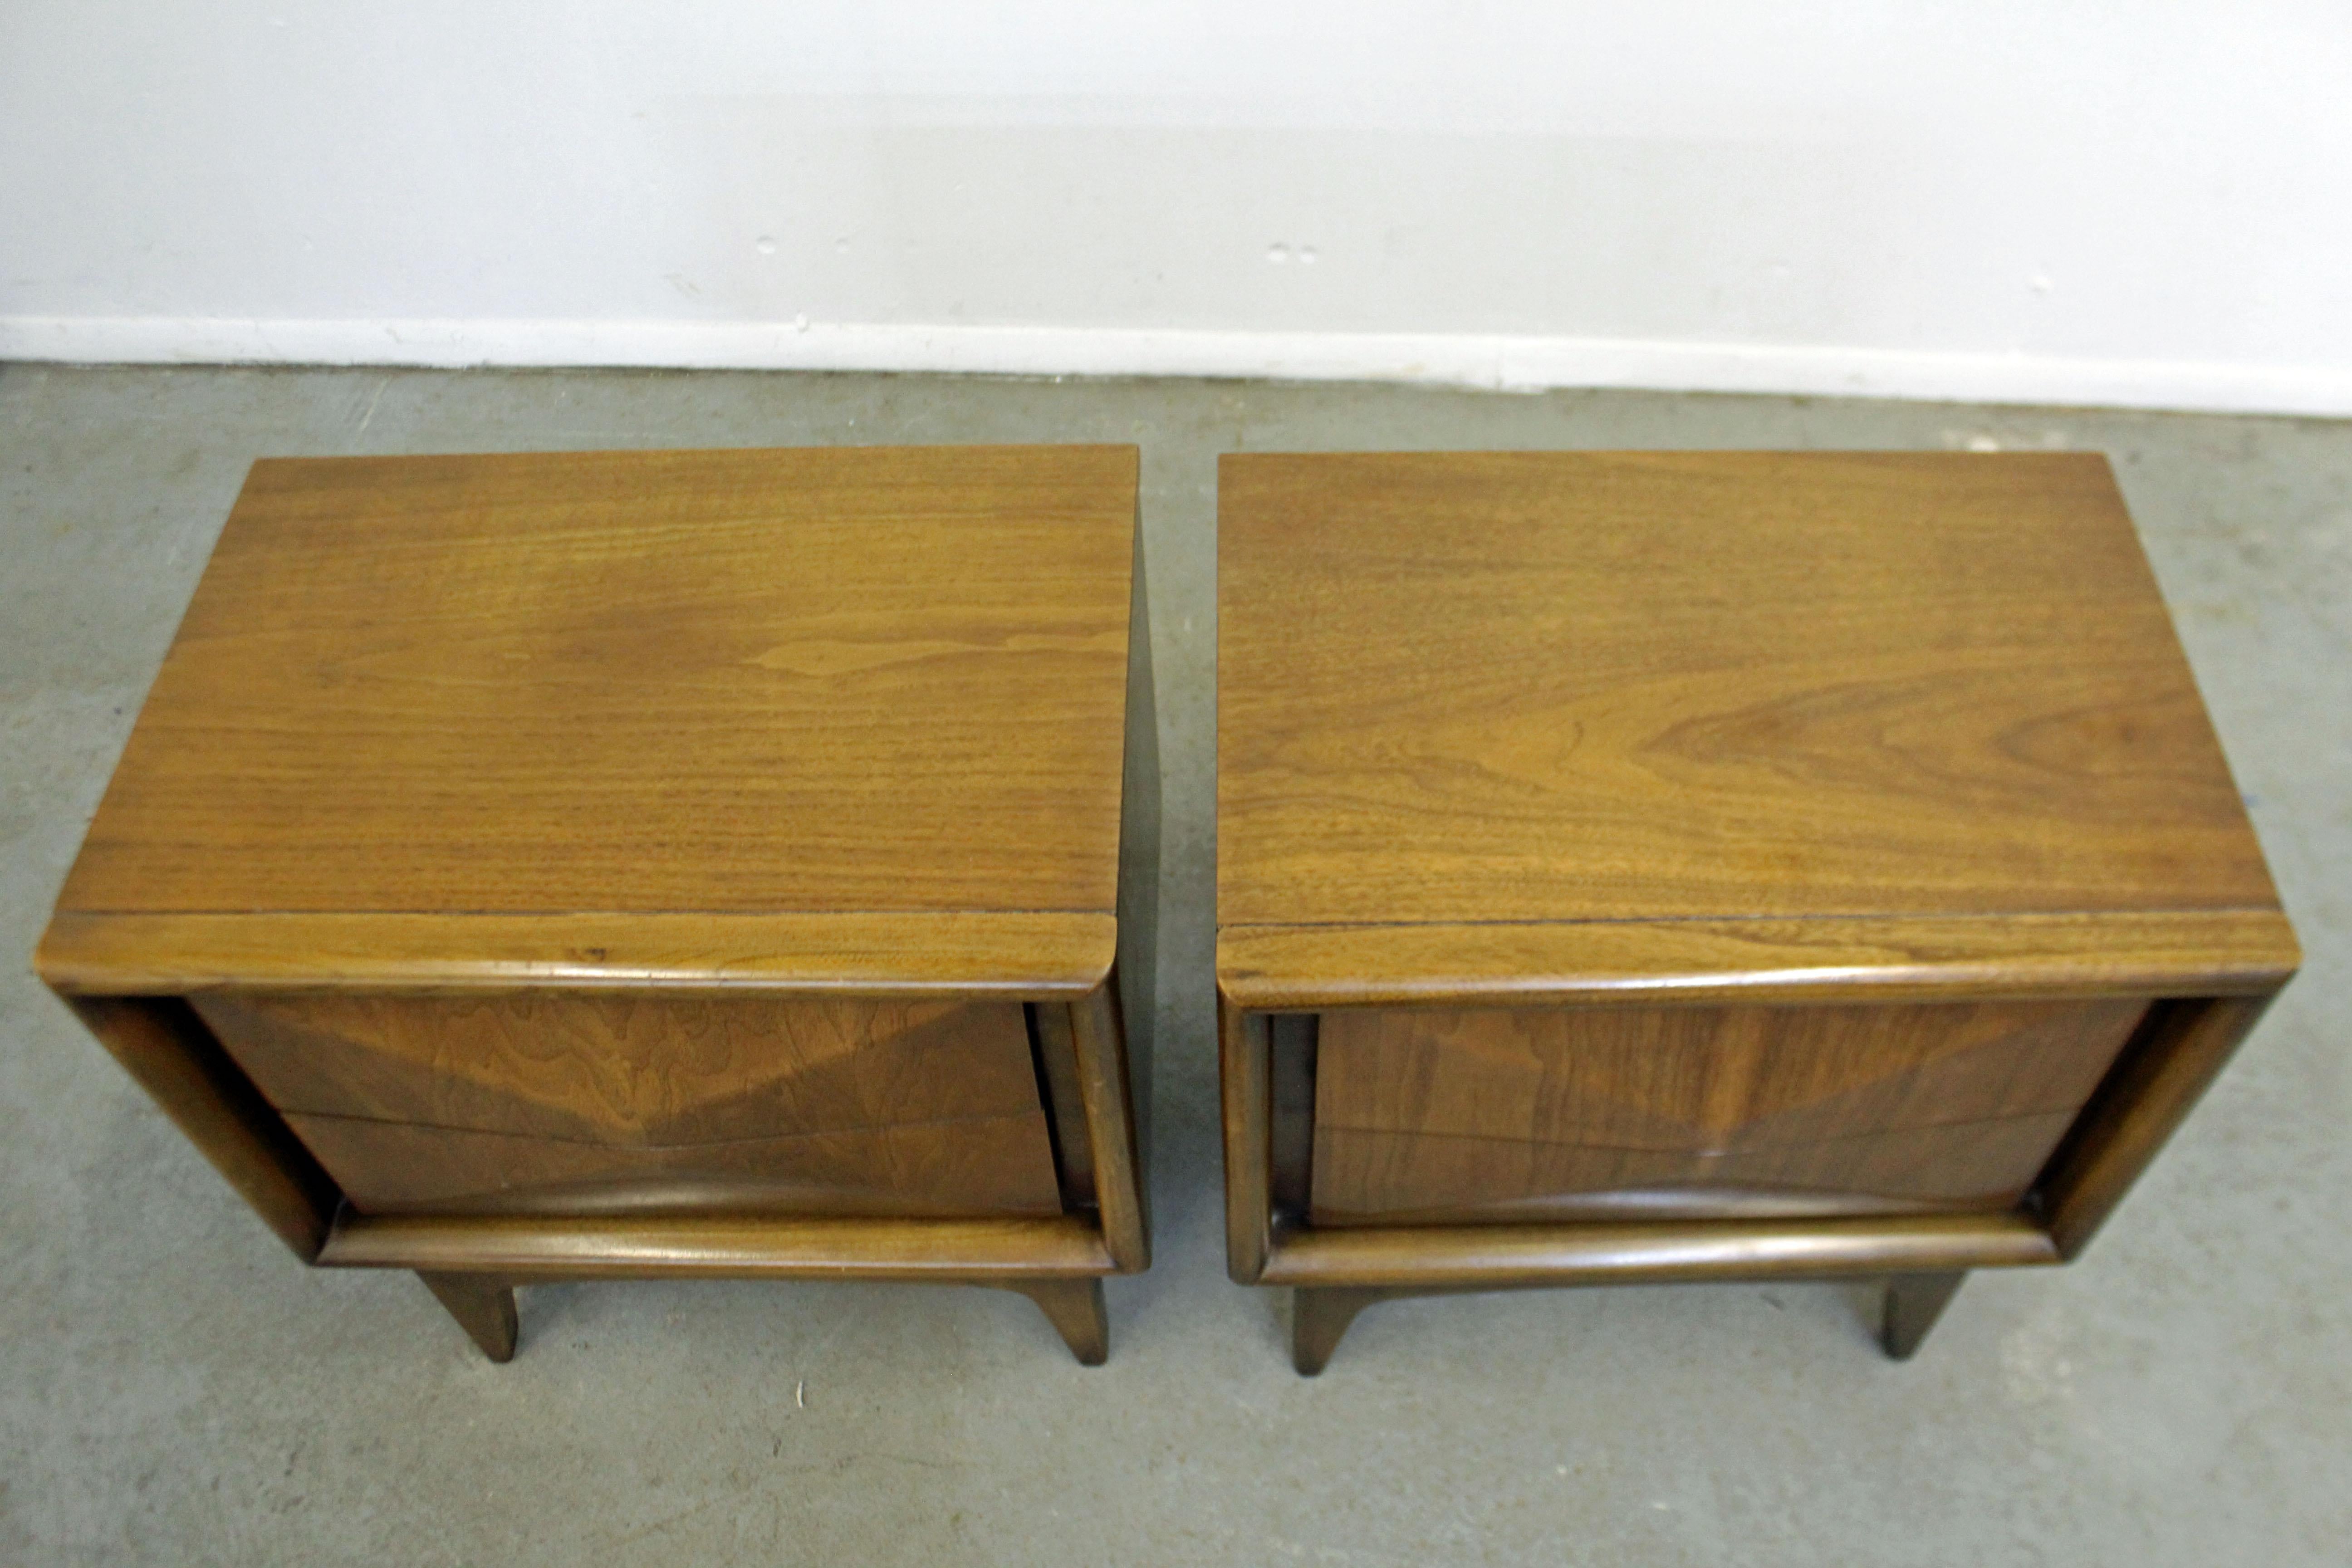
(483, 1307)
(1075, 1308)
(1914, 1302)
(1319, 1316)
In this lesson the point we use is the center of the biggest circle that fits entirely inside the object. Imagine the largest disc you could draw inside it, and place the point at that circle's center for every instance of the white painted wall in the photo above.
(2125, 201)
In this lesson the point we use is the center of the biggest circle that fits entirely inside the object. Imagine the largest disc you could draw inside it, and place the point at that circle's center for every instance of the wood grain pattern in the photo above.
(1022, 954)
(727, 681)
(614, 864)
(1643, 963)
(616, 1070)
(970, 1168)
(1888, 766)
(1396, 1178)
(1498, 686)
(1470, 1115)
(546, 1101)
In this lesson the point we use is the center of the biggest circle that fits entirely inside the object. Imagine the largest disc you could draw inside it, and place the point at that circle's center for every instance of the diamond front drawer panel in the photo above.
(1495, 1115)
(587, 1103)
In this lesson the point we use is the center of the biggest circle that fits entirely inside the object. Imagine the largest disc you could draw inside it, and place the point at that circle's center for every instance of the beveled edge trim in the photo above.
(523, 1247)
(1032, 955)
(1495, 1257)
(2205, 952)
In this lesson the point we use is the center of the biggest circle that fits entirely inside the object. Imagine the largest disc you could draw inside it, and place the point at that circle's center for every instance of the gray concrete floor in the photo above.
(174, 1389)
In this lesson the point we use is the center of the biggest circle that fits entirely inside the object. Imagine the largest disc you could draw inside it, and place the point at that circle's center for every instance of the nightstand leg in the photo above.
(1318, 1317)
(483, 1307)
(1075, 1308)
(1914, 1302)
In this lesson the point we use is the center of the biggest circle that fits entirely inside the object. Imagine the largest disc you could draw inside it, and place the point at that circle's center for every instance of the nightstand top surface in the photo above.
(876, 683)
(1496, 689)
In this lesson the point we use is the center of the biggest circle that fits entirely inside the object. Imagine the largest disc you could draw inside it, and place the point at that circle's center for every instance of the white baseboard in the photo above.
(1505, 362)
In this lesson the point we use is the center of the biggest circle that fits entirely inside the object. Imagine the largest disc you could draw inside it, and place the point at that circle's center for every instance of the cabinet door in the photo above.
(540, 1102)
(1450, 1116)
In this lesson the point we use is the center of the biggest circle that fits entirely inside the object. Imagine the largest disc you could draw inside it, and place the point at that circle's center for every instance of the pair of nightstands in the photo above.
(1631, 867)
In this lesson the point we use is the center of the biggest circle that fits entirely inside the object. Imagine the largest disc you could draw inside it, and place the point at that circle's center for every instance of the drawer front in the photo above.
(1494, 1116)
(589, 1102)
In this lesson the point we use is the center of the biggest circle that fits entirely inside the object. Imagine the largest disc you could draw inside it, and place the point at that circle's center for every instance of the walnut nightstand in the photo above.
(617, 865)
(1640, 867)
